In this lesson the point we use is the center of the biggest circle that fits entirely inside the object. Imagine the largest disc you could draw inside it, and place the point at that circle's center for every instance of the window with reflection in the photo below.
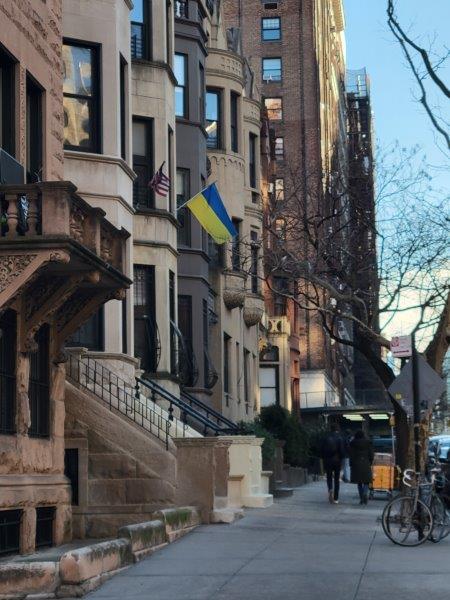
(81, 97)
(139, 29)
(180, 88)
(271, 29)
(274, 108)
(213, 118)
(271, 69)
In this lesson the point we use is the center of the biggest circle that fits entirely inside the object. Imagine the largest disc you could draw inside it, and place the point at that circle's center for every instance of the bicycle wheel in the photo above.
(407, 521)
(439, 519)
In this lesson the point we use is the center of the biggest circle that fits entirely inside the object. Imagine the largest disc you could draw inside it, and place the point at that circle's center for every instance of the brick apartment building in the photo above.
(297, 52)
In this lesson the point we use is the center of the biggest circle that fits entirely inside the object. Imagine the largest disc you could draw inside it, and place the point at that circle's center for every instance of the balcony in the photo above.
(58, 254)
(253, 309)
(234, 289)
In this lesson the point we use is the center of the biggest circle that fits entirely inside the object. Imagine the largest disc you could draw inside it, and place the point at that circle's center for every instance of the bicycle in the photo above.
(411, 519)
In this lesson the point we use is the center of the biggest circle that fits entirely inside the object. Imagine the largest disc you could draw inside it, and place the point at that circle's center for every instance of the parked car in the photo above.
(438, 447)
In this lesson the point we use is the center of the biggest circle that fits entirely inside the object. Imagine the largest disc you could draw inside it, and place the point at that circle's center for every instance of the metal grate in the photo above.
(7, 372)
(10, 531)
(45, 515)
(39, 391)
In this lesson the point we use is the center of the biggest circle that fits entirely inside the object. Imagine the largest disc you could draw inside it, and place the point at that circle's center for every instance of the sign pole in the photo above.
(416, 404)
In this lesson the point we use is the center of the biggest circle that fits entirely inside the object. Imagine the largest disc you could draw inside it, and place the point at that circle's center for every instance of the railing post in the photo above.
(12, 216)
(32, 213)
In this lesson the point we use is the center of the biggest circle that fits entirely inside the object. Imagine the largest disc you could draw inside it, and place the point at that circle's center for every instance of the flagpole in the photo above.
(200, 192)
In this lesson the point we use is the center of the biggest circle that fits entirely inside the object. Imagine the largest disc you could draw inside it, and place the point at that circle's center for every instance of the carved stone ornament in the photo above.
(234, 290)
(253, 309)
(12, 266)
(77, 225)
(60, 256)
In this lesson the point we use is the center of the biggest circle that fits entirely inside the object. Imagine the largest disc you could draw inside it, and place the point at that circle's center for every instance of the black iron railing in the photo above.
(211, 374)
(225, 426)
(192, 412)
(183, 362)
(117, 395)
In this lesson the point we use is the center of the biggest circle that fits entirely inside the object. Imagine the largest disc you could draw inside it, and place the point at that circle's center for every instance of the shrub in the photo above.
(286, 426)
(268, 447)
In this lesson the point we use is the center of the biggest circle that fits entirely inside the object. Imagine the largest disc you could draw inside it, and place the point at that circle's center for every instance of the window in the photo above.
(271, 69)
(91, 334)
(271, 29)
(71, 462)
(7, 108)
(236, 247)
(274, 108)
(181, 9)
(185, 319)
(183, 214)
(246, 380)
(252, 160)
(45, 516)
(234, 98)
(143, 163)
(171, 173)
(34, 131)
(279, 147)
(213, 119)
(254, 254)
(268, 383)
(279, 300)
(226, 363)
(10, 531)
(123, 107)
(279, 190)
(81, 97)
(180, 88)
(140, 29)
(146, 339)
(173, 341)
(8, 372)
(39, 389)
(202, 94)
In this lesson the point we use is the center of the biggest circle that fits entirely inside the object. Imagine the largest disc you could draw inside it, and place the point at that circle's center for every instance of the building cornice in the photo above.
(151, 244)
(158, 213)
(118, 199)
(156, 64)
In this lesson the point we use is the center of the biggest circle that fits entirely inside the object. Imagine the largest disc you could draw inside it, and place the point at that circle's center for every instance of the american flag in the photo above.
(160, 182)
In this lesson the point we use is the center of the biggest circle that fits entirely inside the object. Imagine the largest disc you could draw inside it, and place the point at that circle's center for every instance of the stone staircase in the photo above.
(124, 474)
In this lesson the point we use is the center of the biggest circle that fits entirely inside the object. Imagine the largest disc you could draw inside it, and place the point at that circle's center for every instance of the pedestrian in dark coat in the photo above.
(361, 459)
(333, 454)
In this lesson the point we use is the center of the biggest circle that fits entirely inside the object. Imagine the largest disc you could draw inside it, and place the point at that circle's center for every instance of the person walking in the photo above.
(333, 454)
(361, 459)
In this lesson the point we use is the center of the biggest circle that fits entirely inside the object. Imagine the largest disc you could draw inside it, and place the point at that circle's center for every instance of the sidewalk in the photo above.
(301, 548)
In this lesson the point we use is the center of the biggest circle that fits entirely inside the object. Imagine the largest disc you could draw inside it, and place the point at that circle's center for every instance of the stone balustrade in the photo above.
(53, 209)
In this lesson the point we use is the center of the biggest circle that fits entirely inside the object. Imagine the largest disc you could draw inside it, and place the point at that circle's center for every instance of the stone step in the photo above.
(111, 492)
(283, 492)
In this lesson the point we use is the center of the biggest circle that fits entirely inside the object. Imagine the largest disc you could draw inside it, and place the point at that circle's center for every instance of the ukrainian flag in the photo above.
(208, 207)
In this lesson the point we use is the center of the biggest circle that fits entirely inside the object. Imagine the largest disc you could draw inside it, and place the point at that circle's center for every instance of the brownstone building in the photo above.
(297, 51)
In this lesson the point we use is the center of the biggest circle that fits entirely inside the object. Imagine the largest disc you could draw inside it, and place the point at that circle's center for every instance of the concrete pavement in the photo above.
(300, 548)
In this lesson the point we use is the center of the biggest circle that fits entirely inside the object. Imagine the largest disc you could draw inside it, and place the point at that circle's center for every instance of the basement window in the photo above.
(45, 515)
(10, 531)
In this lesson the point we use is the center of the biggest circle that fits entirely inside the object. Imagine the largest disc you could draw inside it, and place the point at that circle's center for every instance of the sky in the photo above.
(397, 114)
(370, 44)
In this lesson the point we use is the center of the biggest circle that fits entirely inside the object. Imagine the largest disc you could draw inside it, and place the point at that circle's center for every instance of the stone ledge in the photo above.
(179, 521)
(83, 564)
(145, 538)
(30, 578)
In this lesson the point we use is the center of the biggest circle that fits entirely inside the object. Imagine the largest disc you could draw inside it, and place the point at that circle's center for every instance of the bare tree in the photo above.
(342, 259)
(425, 68)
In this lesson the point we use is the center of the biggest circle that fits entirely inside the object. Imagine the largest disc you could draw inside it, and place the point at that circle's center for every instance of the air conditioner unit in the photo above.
(11, 171)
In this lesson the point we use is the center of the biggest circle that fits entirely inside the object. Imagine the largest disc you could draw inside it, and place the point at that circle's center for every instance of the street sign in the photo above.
(431, 386)
(401, 346)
